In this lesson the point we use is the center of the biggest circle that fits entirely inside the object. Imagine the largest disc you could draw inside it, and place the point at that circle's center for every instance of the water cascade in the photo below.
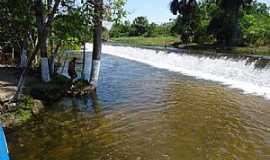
(240, 73)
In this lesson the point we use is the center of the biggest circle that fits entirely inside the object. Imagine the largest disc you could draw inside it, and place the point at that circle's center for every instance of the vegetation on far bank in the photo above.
(147, 41)
(241, 27)
(173, 41)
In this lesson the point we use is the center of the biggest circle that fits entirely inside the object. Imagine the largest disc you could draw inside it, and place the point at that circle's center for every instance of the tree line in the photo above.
(140, 26)
(225, 22)
(220, 22)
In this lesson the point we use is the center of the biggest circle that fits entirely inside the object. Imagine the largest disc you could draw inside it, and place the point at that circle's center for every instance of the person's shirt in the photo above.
(71, 67)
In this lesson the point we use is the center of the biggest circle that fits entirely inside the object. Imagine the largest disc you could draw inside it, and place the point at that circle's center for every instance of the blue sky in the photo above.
(155, 10)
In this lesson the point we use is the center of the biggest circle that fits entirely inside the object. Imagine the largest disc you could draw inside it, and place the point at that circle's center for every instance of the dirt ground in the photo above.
(8, 81)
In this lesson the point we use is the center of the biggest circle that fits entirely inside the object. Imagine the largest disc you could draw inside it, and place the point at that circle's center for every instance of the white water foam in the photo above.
(235, 74)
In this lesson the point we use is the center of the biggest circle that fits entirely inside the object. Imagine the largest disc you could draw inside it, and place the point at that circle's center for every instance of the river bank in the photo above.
(36, 95)
(172, 41)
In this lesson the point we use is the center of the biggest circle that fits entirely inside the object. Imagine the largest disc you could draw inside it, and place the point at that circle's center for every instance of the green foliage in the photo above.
(105, 34)
(70, 30)
(139, 27)
(120, 29)
(255, 24)
(16, 23)
(147, 41)
(49, 92)
(225, 22)
(26, 102)
(187, 20)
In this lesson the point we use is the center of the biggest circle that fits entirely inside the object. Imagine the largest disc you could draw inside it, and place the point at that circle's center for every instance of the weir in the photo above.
(250, 74)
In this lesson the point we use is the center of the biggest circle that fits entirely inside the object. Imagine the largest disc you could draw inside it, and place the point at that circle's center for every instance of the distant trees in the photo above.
(255, 24)
(120, 29)
(224, 22)
(140, 27)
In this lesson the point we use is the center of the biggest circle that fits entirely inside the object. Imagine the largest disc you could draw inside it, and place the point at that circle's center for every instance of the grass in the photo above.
(244, 50)
(147, 41)
(261, 50)
(174, 41)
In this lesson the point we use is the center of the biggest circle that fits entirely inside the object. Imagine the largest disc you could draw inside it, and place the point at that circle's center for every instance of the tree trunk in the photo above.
(97, 42)
(83, 77)
(52, 59)
(45, 72)
(43, 37)
(13, 54)
(22, 77)
(23, 56)
(87, 65)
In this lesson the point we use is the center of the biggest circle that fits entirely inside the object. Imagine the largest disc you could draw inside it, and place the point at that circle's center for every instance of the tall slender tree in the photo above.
(97, 41)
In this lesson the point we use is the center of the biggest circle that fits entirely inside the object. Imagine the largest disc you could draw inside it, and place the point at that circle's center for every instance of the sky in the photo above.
(155, 10)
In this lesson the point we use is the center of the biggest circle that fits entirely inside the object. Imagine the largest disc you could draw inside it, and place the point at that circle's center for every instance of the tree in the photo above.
(54, 26)
(97, 42)
(225, 25)
(139, 27)
(43, 24)
(95, 12)
(120, 29)
(69, 30)
(16, 26)
(187, 21)
(255, 24)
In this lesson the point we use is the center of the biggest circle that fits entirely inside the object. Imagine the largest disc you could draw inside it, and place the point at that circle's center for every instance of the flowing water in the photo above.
(149, 106)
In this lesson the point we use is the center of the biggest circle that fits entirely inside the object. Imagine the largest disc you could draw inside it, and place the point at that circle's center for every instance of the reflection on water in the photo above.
(143, 113)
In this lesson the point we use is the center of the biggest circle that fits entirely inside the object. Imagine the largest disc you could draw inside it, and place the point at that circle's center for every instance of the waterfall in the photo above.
(240, 73)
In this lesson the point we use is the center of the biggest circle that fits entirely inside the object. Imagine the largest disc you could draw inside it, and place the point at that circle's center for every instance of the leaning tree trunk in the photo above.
(97, 42)
(23, 74)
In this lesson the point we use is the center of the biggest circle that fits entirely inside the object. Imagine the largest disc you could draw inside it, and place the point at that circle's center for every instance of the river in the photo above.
(151, 105)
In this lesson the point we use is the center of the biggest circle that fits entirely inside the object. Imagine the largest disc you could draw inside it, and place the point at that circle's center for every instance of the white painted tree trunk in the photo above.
(13, 54)
(87, 66)
(23, 62)
(45, 72)
(97, 42)
(95, 72)
(84, 59)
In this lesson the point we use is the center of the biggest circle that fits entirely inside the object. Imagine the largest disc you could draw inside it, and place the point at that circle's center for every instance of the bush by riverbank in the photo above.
(47, 92)
(36, 95)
